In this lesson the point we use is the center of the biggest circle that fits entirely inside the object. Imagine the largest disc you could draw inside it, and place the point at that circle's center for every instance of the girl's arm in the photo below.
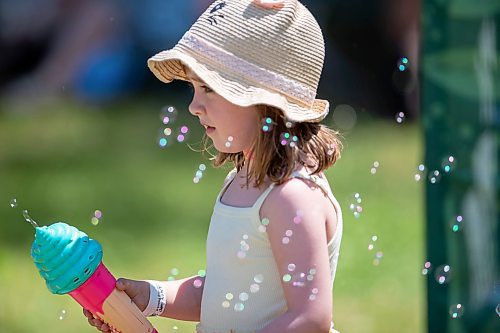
(309, 301)
(183, 298)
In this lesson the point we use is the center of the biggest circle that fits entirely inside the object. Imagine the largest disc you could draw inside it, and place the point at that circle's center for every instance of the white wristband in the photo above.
(157, 299)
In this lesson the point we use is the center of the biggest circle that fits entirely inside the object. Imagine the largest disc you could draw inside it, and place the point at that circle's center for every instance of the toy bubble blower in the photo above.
(71, 263)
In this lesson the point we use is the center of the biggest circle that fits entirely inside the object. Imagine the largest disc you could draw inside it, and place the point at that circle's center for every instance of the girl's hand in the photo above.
(138, 291)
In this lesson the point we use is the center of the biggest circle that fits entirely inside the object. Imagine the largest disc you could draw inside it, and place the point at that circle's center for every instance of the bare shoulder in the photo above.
(300, 200)
(296, 193)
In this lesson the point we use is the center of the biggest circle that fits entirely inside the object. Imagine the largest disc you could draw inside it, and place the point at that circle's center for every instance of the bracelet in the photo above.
(157, 299)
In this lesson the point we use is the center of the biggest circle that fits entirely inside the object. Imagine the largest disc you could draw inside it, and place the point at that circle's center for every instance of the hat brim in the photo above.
(169, 65)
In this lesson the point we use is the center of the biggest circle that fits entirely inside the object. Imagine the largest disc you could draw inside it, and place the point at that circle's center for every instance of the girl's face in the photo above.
(231, 128)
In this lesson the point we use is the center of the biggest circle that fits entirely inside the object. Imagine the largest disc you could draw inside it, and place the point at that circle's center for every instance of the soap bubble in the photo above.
(443, 274)
(374, 168)
(96, 217)
(427, 268)
(254, 288)
(168, 115)
(267, 124)
(420, 172)
(456, 223)
(238, 307)
(243, 297)
(400, 117)
(448, 164)
(197, 283)
(62, 315)
(456, 311)
(434, 176)
(355, 206)
(259, 278)
(13, 203)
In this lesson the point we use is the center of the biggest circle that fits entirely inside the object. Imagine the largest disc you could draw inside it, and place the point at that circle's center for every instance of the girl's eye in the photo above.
(206, 89)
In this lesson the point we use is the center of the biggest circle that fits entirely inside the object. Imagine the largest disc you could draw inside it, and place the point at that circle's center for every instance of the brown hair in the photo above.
(280, 145)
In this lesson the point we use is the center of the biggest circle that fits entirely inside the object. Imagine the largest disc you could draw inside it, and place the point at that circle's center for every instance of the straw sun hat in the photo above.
(253, 52)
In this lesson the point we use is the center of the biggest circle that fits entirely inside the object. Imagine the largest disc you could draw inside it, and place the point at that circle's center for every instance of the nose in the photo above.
(196, 107)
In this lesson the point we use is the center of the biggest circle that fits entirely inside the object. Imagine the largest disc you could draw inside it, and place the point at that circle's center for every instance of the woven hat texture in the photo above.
(252, 55)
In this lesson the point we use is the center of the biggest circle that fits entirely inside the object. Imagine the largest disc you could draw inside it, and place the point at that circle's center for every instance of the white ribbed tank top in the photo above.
(243, 291)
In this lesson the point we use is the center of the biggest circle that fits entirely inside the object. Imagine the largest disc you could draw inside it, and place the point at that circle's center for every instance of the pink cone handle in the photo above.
(99, 295)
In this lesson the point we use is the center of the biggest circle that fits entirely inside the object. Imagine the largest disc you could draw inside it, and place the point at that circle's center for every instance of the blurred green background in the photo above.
(64, 162)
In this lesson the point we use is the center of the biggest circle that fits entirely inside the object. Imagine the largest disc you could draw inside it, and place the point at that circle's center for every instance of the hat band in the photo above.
(263, 77)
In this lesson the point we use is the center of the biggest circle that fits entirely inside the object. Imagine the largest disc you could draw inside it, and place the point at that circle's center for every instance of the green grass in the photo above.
(62, 164)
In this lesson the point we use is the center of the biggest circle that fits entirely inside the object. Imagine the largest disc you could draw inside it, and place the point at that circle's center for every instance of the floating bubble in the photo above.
(254, 288)
(374, 168)
(168, 115)
(265, 221)
(456, 223)
(267, 124)
(229, 141)
(259, 278)
(62, 315)
(174, 271)
(420, 172)
(226, 304)
(202, 273)
(378, 258)
(400, 117)
(448, 164)
(443, 274)
(299, 280)
(312, 271)
(96, 217)
(229, 296)
(197, 283)
(427, 268)
(344, 117)
(289, 233)
(285, 240)
(199, 173)
(243, 297)
(183, 134)
(434, 176)
(355, 206)
(291, 267)
(371, 246)
(167, 131)
(297, 219)
(312, 297)
(13, 203)
(238, 307)
(287, 278)
(289, 124)
(456, 311)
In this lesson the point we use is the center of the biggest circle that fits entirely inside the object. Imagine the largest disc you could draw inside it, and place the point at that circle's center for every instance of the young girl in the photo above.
(275, 232)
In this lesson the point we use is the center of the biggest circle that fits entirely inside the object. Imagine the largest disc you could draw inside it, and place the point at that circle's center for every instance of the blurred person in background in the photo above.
(88, 49)
(368, 41)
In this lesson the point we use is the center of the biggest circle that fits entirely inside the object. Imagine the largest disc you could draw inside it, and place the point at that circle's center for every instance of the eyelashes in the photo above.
(206, 89)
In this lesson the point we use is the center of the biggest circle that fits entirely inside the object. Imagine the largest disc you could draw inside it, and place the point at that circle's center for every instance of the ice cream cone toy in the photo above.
(71, 263)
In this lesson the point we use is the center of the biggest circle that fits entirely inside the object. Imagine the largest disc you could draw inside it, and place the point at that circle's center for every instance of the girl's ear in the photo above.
(270, 4)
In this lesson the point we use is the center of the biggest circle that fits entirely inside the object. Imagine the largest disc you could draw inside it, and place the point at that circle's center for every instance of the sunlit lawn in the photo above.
(62, 164)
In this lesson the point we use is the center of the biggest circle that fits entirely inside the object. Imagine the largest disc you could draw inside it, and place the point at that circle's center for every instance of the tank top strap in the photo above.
(229, 179)
(260, 200)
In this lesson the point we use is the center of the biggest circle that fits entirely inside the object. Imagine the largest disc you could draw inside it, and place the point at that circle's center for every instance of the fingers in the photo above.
(122, 284)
